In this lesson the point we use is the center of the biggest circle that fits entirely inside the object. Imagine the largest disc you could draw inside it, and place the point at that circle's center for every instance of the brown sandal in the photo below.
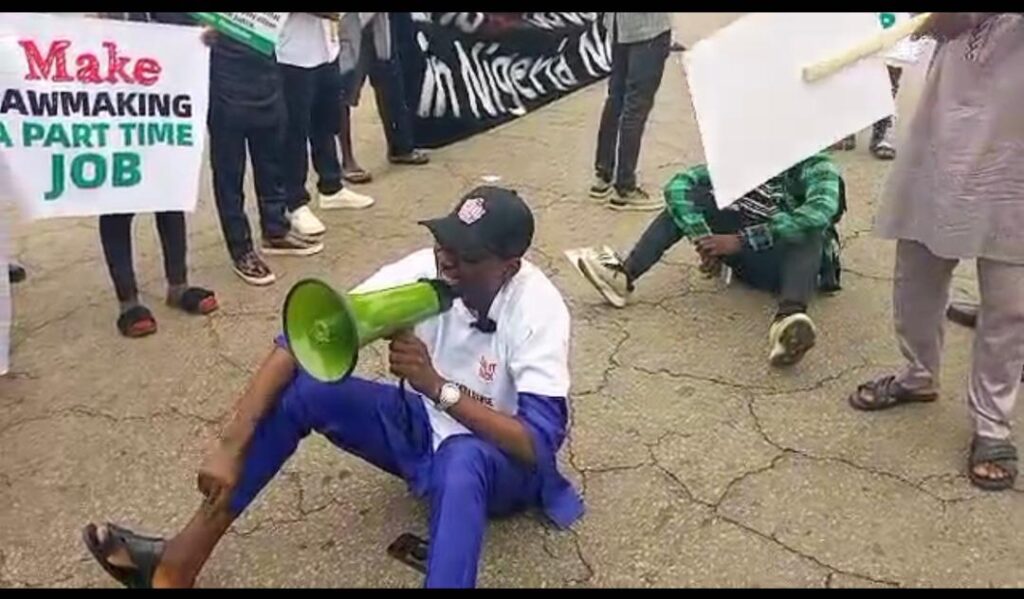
(883, 393)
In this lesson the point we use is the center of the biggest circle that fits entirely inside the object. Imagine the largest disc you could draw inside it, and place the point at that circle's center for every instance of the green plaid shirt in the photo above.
(805, 198)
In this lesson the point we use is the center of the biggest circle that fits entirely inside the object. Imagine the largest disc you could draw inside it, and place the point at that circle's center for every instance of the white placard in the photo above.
(101, 116)
(757, 116)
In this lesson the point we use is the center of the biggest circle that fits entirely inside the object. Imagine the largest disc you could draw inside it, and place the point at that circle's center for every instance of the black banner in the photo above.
(466, 72)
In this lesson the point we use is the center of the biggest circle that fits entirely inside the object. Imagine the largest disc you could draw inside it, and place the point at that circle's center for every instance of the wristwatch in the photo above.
(449, 396)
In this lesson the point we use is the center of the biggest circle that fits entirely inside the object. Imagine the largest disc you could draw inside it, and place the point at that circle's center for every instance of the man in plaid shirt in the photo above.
(780, 237)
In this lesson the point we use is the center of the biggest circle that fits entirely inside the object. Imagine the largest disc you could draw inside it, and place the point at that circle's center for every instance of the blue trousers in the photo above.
(466, 480)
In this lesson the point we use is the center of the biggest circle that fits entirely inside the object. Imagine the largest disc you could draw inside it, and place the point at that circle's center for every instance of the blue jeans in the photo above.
(466, 480)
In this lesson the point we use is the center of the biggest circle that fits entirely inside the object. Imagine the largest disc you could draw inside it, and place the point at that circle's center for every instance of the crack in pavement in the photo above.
(87, 412)
(787, 450)
(715, 506)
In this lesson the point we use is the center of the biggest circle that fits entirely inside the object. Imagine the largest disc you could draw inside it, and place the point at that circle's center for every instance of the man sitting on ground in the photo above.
(478, 437)
(780, 237)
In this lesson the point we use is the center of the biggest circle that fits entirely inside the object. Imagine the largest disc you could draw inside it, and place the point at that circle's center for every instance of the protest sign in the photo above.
(258, 30)
(467, 72)
(101, 116)
(757, 116)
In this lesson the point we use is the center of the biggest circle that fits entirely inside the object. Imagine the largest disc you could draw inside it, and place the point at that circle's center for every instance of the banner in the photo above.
(466, 72)
(101, 116)
(258, 30)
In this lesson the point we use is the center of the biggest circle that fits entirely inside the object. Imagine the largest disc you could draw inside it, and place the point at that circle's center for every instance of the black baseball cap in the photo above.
(487, 221)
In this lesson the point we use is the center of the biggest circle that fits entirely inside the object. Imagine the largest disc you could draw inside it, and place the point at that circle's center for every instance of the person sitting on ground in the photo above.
(780, 237)
(135, 319)
(478, 437)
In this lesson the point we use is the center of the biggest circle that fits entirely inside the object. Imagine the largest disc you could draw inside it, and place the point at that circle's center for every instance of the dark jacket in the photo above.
(245, 86)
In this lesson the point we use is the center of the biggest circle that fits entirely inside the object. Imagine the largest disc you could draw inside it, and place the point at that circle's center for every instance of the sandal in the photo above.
(883, 150)
(883, 393)
(414, 157)
(996, 452)
(195, 300)
(357, 176)
(144, 551)
(136, 322)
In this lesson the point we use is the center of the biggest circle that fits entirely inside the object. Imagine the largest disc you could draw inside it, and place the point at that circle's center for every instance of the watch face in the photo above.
(449, 395)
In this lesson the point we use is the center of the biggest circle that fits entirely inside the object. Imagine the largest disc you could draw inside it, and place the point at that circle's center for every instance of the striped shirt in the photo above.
(802, 201)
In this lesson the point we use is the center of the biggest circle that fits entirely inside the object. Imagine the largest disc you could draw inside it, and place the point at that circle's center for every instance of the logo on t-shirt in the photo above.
(472, 210)
(487, 369)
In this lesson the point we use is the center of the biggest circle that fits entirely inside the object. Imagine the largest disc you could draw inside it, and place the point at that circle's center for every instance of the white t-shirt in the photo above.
(307, 41)
(528, 353)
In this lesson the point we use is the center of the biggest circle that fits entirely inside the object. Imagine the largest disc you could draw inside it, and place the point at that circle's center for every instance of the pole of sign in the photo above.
(865, 49)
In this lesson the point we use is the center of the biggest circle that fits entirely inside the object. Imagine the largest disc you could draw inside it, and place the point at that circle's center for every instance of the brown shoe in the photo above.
(253, 270)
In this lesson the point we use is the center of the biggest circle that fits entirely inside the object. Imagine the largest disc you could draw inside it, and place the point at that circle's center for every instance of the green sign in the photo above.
(258, 30)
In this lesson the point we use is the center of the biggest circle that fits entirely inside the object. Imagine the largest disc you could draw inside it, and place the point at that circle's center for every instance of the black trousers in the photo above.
(229, 137)
(788, 270)
(116, 237)
(312, 97)
(388, 85)
(635, 78)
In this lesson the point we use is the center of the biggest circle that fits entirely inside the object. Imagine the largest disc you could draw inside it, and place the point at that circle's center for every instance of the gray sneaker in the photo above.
(291, 244)
(600, 189)
(603, 268)
(636, 200)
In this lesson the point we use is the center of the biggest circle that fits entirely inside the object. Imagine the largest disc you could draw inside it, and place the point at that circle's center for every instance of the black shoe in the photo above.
(16, 273)
(963, 313)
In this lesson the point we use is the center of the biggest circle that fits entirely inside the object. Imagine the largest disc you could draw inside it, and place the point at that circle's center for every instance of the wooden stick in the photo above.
(865, 49)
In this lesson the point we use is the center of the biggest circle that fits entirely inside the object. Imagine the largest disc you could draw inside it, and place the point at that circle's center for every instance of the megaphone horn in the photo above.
(325, 329)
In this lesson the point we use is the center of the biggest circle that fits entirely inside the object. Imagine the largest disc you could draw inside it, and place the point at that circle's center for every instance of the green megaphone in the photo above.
(325, 329)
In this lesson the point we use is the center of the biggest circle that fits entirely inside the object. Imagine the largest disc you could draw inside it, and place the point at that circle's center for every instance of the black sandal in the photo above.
(144, 551)
(998, 452)
(196, 300)
(136, 322)
(883, 393)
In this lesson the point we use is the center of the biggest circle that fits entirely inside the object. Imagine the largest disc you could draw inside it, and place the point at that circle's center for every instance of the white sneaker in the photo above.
(604, 271)
(305, 223)
(345, 198)
(790, 338)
